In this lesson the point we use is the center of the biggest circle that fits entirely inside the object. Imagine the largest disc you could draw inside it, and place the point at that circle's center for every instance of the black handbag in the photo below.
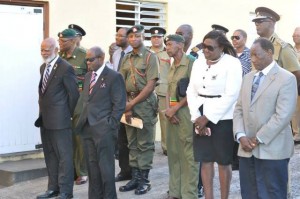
(182, 85)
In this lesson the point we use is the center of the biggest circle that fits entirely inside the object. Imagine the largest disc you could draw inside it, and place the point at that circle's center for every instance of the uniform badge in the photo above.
(60, 35)
(134, 29)
(156, 31)
(102, 84)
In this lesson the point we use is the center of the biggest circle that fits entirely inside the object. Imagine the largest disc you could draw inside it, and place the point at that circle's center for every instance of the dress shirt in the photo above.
(245, 60)
(52, 62)
(116, 57)
(98, 72)
(223, 78)
(265, 71)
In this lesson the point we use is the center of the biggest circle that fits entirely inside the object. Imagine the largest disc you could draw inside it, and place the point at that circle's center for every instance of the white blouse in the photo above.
(223, 78)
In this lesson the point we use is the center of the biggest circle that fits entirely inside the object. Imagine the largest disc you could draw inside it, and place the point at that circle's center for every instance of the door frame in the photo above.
(43, 4)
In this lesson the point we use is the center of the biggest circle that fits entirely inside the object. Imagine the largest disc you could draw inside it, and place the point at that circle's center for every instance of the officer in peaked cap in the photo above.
(263, 13)
(79, 32)
(157, 41)
(220, 28)
(136, 29)
(157, 31)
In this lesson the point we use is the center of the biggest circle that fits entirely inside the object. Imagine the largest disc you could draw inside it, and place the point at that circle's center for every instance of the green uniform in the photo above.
(161, 91)
(284, 54)
(183, 170)
(137, 70)
(77, 60)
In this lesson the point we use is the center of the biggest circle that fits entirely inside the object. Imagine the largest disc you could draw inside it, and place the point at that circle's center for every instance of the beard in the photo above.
(49, 59)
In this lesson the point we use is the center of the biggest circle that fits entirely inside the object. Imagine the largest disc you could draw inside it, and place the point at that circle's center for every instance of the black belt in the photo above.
(210, 96)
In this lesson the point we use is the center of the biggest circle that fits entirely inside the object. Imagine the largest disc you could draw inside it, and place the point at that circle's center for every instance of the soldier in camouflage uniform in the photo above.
(183, 169)
(140, 71)
(76, 57)
(157, 40)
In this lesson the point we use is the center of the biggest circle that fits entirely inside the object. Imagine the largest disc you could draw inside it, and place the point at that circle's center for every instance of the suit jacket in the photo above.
(105, 105)
(58, 101)
(268, 115)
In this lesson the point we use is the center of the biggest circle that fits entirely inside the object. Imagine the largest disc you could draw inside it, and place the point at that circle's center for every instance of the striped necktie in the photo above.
(92, 82)
(46, 76)
(256, 84)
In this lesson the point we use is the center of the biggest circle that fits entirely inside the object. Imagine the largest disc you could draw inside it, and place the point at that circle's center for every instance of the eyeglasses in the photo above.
(91, 59)
(208, 47)
(235, 37)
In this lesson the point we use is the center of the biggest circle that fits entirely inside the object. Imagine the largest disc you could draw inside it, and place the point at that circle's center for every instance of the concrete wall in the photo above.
(97, 17)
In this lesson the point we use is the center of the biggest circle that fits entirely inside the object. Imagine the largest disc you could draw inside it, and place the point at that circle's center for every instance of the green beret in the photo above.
(174, 37)
(67, 33)
(136, 29)
(265, 13)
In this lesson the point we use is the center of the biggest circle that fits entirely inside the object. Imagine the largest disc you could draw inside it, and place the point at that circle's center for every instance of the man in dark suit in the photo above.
(58, 95)
(261, 124)
(104, 101)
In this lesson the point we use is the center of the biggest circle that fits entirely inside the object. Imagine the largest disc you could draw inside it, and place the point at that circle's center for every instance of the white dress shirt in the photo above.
(116, 57)
(223, 78)
(51, 66)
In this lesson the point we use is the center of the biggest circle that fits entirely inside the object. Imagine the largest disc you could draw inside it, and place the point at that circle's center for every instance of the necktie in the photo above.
(120, 61)
(92, 82)
(46, 78)
(256, 84)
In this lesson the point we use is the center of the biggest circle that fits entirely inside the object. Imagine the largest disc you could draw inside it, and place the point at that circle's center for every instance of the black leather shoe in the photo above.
(200, 191)
(144, 183)
(48, 194)
(122, 177)
(64, 196)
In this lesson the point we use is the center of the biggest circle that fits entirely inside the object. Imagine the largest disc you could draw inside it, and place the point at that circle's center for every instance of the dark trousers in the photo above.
(99, 152)
(263, 179)
(58, 152)
(123, 151)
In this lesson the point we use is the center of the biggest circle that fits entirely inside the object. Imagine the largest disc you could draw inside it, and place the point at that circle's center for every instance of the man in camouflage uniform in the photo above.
(183, 169)
(140, 71)
(157, 41)
(76, 57)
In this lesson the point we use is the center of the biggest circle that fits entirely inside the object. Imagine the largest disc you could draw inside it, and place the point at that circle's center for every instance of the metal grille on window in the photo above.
(149, 14)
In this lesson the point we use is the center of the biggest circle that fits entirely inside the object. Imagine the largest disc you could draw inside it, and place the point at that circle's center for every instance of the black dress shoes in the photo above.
(200, 191)
(64, 196)
(48, 194)
(122, 177)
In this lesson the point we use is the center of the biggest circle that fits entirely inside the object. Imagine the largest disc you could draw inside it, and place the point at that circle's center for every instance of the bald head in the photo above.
(95, 58)
(49, 49)
(296, 37)
(186, 31)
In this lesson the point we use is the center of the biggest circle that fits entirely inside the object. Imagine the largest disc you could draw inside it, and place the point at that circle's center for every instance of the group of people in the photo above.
(209, 100)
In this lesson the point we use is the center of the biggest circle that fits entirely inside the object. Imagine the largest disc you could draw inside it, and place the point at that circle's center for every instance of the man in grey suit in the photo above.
(261, 124)
(104, 101)
(58, 95)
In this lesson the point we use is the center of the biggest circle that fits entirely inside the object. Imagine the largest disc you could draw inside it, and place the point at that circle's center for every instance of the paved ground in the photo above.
(159, 179)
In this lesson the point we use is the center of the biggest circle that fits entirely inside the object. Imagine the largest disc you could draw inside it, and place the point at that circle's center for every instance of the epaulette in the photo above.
(276, 40)
(195, 49)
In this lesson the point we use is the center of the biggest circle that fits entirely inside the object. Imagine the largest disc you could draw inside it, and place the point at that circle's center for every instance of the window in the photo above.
(149, 14)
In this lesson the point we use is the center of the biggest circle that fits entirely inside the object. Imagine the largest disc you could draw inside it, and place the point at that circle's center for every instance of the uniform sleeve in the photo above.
(288, 59)
(152, 68)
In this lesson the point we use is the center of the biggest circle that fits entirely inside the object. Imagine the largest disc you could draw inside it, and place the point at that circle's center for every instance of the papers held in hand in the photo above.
(135, 122)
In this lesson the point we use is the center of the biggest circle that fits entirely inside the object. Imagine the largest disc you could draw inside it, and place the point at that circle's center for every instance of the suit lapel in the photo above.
(267, 81)
(100, 81)
(53, 71)
(42, 75)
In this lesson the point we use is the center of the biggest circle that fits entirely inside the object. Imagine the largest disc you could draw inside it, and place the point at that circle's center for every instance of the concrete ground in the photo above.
(158, 176)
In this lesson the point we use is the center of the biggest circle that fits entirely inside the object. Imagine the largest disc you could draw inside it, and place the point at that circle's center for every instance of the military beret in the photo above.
(78, 29)
(265, 13)
(67, 33)
(174, 37)
(135, 29)
(219, 28)
(157, 31)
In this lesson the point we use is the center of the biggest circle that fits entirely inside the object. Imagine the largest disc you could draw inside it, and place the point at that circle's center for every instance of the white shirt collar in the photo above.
(266, 70)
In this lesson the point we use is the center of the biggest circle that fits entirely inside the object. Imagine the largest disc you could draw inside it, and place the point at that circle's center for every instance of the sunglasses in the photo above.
(208, 47)
(235, 37)
(91, 59)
